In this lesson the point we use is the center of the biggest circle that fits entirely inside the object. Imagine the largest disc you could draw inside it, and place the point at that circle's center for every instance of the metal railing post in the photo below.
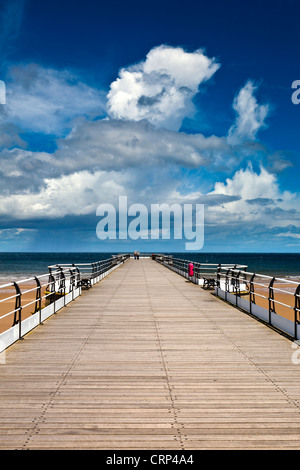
(72, 282)
(237, 287)
(51, 283)
(227, 283)
(18, 309)
(252, 292)
(77, 280)
(296, 310)
(199, 270)
(93, 270)
(38, 299)
(271, 300)
(218, 278)
(62, 284)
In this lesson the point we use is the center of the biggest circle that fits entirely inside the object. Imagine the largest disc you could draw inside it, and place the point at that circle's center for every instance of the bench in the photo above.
(209, 283)
(85, 283)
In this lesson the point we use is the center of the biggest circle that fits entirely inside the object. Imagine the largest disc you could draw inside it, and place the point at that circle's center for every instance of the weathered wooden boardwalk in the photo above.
(148, 360)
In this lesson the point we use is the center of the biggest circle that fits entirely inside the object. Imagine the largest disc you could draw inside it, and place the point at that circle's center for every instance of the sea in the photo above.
(15, 266)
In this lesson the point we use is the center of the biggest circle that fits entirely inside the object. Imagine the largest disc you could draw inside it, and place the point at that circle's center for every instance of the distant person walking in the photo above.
(138, 255)
(134, 254)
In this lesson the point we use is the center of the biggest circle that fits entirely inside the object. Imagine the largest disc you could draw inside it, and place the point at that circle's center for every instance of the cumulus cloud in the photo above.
(102, 159)
(250, 115)
(133, 158)
(249, 184)
(136, 150)
(249, 197)
(261, 200)
(160, 89)
(108, 145)
(75, 194)
(24, 171)
(111, 144)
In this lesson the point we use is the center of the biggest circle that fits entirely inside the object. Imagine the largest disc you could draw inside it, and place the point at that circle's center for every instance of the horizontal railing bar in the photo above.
(9, 313)
(11, 297)
(285, 305)
(280, 290)
(286, 281)
(265, 276)
(11, 284)
(29, 303)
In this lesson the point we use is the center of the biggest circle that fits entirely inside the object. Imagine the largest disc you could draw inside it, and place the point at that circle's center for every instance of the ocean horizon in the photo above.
(19, 265)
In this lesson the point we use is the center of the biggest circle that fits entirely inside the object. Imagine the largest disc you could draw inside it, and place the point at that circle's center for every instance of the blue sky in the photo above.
(161, 101)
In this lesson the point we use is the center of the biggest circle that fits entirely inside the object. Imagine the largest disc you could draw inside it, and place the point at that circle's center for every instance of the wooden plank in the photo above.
(147, 360)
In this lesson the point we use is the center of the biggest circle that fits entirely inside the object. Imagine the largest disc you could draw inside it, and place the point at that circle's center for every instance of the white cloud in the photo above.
(110, 144)
(250, 115)
(46, 100)
(137, 150)
(9, 136)
(249, 185)
(161, 88)
(77, 194)
(248, 199)
(288, 234)
(97, 161)
(261, 201)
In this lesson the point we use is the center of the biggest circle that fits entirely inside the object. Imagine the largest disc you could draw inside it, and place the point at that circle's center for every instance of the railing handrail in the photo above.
(266, 276)
(105, 260)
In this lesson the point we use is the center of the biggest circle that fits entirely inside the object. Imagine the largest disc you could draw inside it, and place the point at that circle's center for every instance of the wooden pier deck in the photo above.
(147, 360)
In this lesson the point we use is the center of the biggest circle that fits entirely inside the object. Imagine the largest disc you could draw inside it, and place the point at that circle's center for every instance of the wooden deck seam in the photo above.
(147, 360)
(35, 430)
(295, 403)
(177, 426)
(261, 371)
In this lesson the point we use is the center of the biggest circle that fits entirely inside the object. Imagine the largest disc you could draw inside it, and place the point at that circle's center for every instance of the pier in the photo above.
(148, 359)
